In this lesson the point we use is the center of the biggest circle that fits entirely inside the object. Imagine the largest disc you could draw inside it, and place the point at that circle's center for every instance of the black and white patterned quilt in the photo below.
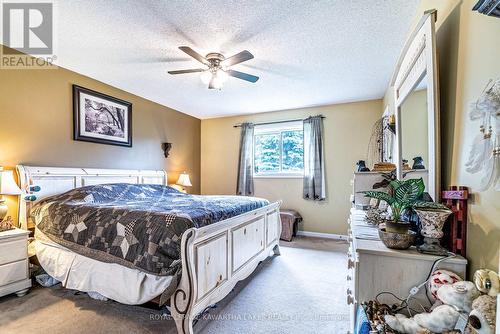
(139, 226)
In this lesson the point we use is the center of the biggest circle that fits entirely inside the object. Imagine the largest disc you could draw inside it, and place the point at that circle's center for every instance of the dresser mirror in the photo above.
(416, 101)
(414, 127)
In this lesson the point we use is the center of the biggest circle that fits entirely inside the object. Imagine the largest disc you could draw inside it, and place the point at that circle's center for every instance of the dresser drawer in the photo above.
(13, 272)
(15, 250)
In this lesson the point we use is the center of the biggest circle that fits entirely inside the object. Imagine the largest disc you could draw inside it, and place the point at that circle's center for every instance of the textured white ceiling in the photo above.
(307, 53)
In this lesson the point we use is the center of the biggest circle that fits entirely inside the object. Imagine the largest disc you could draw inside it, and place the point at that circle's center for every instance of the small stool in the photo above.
(289, 224)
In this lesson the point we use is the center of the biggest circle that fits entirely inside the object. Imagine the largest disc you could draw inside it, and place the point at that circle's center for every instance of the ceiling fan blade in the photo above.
(242, 76)
(194, 70)
(194, 54)
(238, 58)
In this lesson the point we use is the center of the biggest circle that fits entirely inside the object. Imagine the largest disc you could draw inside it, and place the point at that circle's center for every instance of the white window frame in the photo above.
(276, 128)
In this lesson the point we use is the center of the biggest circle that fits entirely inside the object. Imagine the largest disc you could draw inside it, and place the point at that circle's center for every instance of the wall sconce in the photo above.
(166, 148)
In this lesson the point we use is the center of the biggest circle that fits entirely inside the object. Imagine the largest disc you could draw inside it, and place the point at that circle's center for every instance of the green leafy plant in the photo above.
(403, 195)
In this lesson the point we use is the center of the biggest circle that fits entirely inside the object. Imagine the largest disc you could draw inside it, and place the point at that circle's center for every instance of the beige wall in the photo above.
(469, 52)
(466, 69)
(347, 132)
(36, 128)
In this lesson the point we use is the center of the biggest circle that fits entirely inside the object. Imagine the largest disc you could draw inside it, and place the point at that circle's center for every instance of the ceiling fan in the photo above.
(217, 68)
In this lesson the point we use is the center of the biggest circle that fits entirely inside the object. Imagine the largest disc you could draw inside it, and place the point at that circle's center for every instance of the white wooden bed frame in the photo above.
(214, 257)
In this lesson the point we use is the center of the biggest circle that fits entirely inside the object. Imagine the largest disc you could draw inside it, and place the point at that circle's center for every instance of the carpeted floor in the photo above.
(301, 291)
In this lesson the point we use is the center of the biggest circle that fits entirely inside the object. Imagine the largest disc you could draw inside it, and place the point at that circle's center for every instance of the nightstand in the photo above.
(14, 267)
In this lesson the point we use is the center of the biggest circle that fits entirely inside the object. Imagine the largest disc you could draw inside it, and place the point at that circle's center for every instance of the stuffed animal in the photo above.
(459, 294)
(442, 318)
(456, 297)
(482, 316)
(403, 324)
(487, 281)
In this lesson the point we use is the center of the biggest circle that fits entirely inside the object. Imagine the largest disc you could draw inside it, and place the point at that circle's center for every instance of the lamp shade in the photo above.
(184, 180)
(7, 184)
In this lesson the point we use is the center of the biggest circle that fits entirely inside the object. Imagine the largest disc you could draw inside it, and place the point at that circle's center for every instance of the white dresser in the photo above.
(374, 268)
(14, 267)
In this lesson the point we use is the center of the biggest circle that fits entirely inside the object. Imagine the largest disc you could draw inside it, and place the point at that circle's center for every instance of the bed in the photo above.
(129, 237)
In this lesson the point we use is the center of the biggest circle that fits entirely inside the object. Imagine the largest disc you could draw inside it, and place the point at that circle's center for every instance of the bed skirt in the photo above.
(122, 284)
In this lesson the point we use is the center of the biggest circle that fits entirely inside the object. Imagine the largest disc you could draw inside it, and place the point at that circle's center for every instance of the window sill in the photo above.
(279, 176)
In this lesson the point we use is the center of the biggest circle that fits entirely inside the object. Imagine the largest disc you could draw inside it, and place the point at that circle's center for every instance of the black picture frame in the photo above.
(119, 122)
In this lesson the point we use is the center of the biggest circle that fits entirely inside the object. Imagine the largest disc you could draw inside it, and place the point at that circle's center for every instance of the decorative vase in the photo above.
(418, 163)
(397, 227)
(362, 166)
(396, 240)
(432, 222)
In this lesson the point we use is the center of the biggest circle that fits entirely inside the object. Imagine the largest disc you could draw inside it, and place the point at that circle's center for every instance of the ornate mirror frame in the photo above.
(419, 60)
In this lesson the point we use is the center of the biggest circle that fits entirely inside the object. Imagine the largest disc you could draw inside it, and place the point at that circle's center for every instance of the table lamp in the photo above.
(7, 187)
(184, 181)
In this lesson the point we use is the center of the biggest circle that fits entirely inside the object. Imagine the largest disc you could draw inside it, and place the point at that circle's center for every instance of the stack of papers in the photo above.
(366, 232)
(360, 228)
(358, 215)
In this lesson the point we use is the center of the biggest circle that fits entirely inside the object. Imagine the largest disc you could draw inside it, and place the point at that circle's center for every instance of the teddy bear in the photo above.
(456, 298)
(482, 316)
(459, 294)
(402, 324)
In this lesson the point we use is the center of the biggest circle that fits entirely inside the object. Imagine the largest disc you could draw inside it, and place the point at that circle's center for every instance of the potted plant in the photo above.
(403, 195)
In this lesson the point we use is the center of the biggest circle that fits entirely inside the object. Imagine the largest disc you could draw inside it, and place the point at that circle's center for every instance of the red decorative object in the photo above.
(455, 232)
(439, 278)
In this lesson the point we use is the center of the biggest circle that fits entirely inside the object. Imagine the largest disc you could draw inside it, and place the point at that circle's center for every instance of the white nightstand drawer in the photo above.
(11, 251)
(13, 272)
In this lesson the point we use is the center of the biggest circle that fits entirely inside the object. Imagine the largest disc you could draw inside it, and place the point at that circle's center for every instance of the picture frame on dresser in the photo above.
(100, 118)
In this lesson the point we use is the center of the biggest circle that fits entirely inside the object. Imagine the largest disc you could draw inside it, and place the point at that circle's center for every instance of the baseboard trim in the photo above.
(322, 235)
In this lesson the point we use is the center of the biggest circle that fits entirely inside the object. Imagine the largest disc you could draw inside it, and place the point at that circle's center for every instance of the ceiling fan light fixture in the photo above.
(221, 75)
(206, 77)
(218, 78)
(218, 70)
(217, 83)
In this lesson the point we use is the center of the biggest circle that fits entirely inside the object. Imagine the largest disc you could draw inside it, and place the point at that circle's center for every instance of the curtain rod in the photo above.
(276, 122)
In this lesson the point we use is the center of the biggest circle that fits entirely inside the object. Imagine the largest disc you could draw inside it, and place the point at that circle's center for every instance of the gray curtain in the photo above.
(245, 164)
(314, 160)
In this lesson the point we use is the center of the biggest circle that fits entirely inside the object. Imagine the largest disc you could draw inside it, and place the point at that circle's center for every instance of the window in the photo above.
(279, 149)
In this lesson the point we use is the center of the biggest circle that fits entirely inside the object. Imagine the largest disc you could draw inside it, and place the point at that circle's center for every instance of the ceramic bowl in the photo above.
(397, 240)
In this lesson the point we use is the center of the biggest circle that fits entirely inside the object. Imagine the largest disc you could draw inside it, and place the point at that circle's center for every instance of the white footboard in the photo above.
(216, 257)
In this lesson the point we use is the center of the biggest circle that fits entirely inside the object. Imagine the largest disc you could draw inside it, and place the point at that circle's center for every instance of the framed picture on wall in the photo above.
(100, 118)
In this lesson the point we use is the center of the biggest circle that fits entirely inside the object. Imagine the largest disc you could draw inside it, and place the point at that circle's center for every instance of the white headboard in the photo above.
(57, 180)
